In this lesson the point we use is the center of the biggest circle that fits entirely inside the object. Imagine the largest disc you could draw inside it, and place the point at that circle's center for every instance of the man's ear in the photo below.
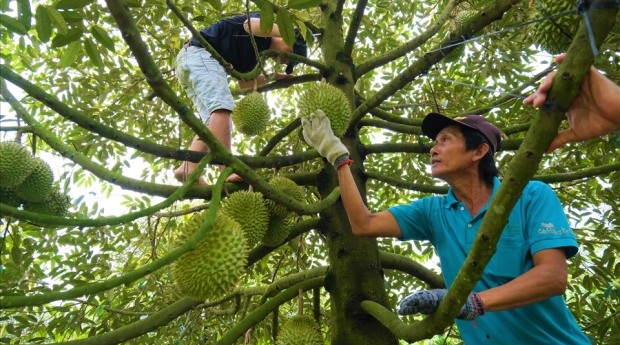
(480, 152)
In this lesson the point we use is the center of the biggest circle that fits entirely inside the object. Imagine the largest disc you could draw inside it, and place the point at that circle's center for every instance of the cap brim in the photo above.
(433, 123)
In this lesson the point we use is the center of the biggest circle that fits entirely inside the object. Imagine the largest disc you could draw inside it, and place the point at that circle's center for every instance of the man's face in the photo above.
(448, 156)
(277, 43)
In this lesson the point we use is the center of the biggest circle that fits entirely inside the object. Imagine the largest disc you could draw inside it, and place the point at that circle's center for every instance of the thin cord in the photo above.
(476, 87)
(476, 38)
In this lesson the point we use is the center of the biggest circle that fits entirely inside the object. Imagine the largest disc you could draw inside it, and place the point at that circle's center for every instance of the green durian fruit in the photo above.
(287, 186)
(554, 36)
(57, 204)
(277, 232)
(461, 19)
(249, 210)
(8, 197)
(215, 266)
(332, 101)
(38, 185)
(251, 114)
(16, 163)
(300, 330)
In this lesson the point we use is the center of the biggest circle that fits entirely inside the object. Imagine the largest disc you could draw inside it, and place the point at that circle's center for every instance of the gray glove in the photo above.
(426, 302)
(318, 134)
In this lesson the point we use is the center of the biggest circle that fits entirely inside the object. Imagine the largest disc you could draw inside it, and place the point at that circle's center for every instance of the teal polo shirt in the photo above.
(537, 222)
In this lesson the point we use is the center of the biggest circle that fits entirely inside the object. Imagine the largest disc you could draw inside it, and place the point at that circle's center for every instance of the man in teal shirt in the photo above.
(518, 300)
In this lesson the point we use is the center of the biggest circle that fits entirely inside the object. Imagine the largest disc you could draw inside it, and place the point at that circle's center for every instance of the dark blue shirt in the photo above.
(232, 42)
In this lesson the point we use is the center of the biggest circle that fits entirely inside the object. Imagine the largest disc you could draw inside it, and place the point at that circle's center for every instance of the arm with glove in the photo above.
(318, 133)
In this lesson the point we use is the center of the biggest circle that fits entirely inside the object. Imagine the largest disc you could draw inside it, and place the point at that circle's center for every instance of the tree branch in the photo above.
(261, 312)
(493, 11)
(406, 265)
(356, 19)
(93, 288)
(370, 64)
(396, 127)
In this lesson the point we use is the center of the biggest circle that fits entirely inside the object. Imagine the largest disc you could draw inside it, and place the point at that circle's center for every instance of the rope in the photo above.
(510, 28)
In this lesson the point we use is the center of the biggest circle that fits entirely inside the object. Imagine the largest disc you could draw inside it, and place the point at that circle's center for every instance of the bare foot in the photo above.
(234, 178)
(182, 173)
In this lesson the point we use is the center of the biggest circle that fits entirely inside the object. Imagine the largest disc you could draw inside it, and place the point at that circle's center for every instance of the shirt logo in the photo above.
(512, 230)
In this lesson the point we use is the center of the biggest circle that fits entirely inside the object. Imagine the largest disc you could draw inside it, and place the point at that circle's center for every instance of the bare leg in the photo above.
(220, 126)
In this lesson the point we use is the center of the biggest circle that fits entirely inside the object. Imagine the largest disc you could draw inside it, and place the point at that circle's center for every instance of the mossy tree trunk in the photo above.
(355, 273)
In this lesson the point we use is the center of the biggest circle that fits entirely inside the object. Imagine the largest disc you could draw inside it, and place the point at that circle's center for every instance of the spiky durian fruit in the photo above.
(249, 210)
(251, 114)
(554, 36)
(332, 101)
(460, 19)
(214, 267)
(287, 186)
(16, 163)
(38, 185)
(300, 330)
(277, 232)
(57, 204)
(8, 197)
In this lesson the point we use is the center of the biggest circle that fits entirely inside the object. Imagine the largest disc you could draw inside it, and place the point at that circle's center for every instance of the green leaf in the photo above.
(63, 40)
(266, 18)
(217, 4)
(57, 19)
(24, 14)
(43, 25)
(302, 4)
(13, 24)
(102, 37)
(93, 53)
(286, 27)
(72, 4)
(70, 55)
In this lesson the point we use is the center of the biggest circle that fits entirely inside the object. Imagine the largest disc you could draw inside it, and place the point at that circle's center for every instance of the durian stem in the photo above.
(300, 302)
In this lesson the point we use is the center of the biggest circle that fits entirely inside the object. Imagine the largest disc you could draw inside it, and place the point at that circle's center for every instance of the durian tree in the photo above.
(92, 84)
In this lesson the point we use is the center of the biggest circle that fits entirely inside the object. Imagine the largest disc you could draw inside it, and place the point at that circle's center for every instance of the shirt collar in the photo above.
(451, 199)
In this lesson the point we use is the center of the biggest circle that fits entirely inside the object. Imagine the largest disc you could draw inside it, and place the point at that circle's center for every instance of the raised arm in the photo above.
(256, 31)
(318, 134)
(595, 112)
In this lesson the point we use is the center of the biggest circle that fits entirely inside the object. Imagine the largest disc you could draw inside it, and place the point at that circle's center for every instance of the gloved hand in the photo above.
(426, 302)
(318, 134)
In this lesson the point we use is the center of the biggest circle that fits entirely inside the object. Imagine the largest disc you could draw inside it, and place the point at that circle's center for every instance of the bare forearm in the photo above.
(357, 211)
(256, 31)
(535, 285)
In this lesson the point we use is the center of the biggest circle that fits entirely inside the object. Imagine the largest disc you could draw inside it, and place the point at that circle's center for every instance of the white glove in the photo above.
(318, 134)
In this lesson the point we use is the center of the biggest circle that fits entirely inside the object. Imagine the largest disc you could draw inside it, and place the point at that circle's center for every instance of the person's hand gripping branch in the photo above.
(595, 112)
(426, 302)
(318, 134)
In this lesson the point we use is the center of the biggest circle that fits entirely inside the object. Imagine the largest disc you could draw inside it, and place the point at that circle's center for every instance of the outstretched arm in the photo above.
(595, 112)
(256, 31)
(318, 134)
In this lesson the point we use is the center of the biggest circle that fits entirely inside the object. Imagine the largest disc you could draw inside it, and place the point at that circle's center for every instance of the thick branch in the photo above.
(396, 127)
(507, 145)
(356, 19)
(280, 84)
(271, 144)
(493, 11)
(138, 328)
(406, 265)
(566, 87)
(410, 46)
